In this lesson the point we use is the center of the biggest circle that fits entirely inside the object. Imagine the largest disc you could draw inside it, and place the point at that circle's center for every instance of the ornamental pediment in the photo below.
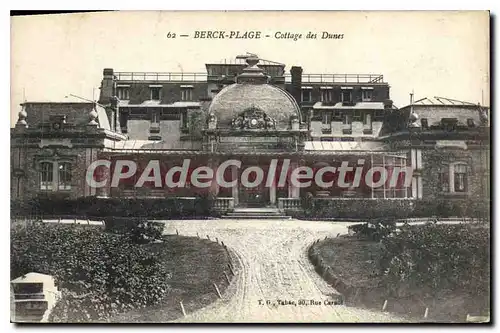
(253, 118)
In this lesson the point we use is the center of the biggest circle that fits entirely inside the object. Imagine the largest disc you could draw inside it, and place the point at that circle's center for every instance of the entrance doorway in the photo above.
(254, 197)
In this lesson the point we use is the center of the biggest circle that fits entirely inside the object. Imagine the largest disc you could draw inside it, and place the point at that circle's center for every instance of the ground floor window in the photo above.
(453, 178)
(55, 176)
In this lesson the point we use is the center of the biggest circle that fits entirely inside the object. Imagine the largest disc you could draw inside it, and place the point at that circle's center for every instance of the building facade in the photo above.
(253, 111)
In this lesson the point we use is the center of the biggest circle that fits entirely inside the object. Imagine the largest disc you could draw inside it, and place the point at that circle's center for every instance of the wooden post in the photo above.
(222, 243)
(75, 221)
(384, 307)
(182, 309)
(217, 240)
(217, 290)
(88, 221)
(208, 237)
(227, 277)
(177, 232)
(197, 234)
(426, 314)
(59, 220)
(338, 234)
(231, 269)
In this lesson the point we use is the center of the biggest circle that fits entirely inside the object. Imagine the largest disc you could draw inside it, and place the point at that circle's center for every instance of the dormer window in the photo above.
(366, 94)
(346, 96)
(449, 124)
(187, 93)
(326, 94)
(155, 92)
(306, 94)
(123, 92)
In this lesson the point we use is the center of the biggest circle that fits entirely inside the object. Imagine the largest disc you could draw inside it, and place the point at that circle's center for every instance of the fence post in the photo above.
(384, 307)
(227, 277)
(208, 237)
(217, 290)
(182, 309)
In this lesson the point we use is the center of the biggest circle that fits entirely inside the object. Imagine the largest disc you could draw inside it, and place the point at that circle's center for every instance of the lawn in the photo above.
(195, 265)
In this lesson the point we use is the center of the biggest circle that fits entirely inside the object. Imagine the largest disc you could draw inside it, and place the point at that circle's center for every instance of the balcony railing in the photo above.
(289, 204)
(159, 76)
(224, 204)
(339, 78)
(203, 77)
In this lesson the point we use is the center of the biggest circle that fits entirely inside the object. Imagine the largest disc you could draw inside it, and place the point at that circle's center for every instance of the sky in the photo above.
(430, 53)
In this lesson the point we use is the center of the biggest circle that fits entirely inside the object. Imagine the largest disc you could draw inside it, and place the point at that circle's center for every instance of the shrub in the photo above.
(438, 257)
(374, 230)
(99, 273)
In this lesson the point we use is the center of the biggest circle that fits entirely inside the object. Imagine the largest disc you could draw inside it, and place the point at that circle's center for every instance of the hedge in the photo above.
(119, 207)
(399, 209)
(438, 257)
(100, 274)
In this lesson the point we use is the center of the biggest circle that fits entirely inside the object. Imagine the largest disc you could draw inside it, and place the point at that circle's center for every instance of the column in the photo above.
(272, 193)
(293, 191)
(214, 189)
(234, 189)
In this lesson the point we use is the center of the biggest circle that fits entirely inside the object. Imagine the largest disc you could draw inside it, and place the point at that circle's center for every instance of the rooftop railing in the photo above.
(202, 77)
(159, 76)
(339, 78)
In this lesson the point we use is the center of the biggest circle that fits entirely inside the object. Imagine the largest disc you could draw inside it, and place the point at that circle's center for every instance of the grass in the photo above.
(195, 265)
(354, 262)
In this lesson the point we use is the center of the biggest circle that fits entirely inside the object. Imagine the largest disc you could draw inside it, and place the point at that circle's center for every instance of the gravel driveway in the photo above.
(272, 265)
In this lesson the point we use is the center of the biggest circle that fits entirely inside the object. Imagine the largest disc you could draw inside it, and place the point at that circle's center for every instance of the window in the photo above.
(356, 115)
(425, 123)
(327, 118)
(187, 94)
(326, 95)
(460, 177)
(367, 119)
(379, 115)
(366, 95)
(184, 119)
(453, 178)
(347, 119)
(155, 117)
(64, 176)
(306, 95)
(470, 122)
(155, 93)
(55, 176)
(444, 178)
(123, 93)
(346, 96)
(337, 115)
(46, 176)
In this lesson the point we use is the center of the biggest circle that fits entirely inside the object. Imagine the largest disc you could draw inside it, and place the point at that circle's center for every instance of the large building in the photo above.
(253, 111)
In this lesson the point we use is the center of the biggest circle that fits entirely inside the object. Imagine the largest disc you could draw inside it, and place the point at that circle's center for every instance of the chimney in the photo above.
(107, 85)
(296, 73)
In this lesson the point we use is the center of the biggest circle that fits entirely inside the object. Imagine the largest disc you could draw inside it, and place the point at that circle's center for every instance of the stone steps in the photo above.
(256, 213)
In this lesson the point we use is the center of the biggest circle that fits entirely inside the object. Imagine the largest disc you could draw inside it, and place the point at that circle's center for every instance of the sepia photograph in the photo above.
(250, 167)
